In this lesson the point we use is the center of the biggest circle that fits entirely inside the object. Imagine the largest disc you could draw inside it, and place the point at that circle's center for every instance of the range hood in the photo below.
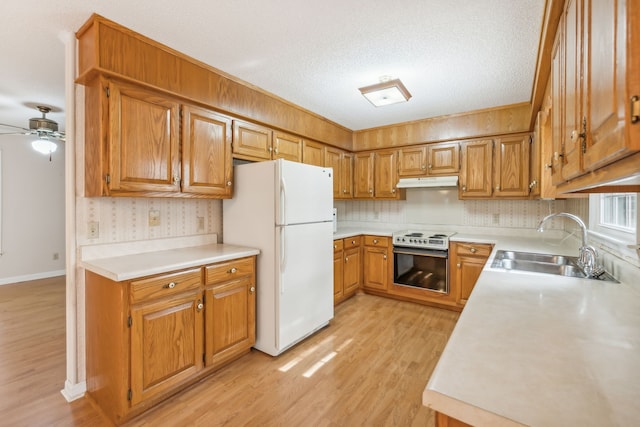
(430, 182)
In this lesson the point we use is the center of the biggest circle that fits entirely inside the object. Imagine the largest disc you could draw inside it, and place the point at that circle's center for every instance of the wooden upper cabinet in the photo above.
(286, 146)
(143, 141)
(342, 164)
(251, 141)
(386, 174)
(412, 161)
(429, 160)
(312, 153)
(206, 152)
(476, 169)
(511, 166)
(557, 109)
(363, 176)
(443, 158)
(612, 82)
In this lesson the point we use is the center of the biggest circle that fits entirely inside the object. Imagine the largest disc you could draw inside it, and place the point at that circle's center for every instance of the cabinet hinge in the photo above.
(106, 89)
(107, 178)
(583, 135)
(129, 321)
(204, 358)
(635, 109)
(129, 394)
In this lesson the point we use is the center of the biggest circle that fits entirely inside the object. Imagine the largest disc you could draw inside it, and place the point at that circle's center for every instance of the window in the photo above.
(615, 216)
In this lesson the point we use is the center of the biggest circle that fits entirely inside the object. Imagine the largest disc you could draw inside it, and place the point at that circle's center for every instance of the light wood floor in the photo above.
(369, 367)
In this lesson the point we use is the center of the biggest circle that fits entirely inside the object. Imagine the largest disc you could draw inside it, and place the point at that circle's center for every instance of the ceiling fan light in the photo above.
(386, 92)
(44, 146)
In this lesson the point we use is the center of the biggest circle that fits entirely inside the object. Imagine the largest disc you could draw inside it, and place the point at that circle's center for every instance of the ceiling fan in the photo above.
(43, 127)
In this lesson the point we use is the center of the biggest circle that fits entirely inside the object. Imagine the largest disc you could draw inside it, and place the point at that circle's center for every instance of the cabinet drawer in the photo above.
(338, 245)
(229, 270)
(352, 242)
(165, 285)
(477, 249)
(376, 241)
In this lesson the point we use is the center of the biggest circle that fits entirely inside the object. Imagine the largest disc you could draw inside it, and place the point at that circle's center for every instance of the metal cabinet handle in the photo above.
(233, 270)
(170, 285)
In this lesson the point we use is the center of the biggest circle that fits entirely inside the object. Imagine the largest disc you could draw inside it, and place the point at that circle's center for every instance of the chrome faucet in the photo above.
(588, 256)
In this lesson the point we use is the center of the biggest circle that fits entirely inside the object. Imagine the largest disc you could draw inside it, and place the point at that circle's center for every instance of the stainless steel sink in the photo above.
(560, 265)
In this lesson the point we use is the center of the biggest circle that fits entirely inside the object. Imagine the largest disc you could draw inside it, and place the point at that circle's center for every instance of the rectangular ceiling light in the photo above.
(386, 93)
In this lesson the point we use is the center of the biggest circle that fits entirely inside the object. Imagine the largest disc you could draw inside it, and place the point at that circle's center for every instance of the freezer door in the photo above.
(304, 193)
(305, 288)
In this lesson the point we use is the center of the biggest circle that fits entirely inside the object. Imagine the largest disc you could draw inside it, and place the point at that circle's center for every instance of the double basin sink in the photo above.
(560, 265)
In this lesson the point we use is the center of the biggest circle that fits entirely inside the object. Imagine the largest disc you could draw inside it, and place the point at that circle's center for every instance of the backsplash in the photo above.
(442, 207)
(124, 219)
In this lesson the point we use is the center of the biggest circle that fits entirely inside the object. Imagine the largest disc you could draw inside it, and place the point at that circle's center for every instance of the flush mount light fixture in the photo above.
(44, 146)
(388, 91)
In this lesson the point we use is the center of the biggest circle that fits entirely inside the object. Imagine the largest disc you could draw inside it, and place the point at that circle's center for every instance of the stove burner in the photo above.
(436, 236)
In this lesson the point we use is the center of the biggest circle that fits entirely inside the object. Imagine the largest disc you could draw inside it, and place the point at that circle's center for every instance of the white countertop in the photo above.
(355, 231)
(131, 266)
(541, 350)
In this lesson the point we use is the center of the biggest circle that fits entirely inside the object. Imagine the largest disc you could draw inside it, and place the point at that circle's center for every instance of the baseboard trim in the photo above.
(27, 277)
(73, 392)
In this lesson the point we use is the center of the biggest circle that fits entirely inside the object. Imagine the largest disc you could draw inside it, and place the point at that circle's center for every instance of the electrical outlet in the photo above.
(154, 218)
(93, 229)
(200, 220)
(56, 256)
(496, 218)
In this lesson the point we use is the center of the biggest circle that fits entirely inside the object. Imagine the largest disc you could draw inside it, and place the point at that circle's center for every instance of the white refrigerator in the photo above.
(285, 209)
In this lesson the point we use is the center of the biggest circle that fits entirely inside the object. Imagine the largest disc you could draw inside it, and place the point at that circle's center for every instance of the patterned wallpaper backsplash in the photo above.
(442, 207)
(123, 219)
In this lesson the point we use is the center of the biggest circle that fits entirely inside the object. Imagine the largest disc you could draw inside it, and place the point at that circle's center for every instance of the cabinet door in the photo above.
(229, 319)
(206, 152)
(288, 147)
(443, 159)
(412, 161)
(332, 159)
(511, 166)
(557, 109)
(476, 168)
(313, 153)
(468, 269)
(338, 275)
(572, 125)
(352, 266)
(166, 344)
(376, 268)
(251, 141)
(346, 176)
(144, 152)
(386, 174)
(612, 68)
(363, 176)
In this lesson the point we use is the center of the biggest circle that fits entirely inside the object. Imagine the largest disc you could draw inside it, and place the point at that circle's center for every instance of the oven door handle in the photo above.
(421, 252)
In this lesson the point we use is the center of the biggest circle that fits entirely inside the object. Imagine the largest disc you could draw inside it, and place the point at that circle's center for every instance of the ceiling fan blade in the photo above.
(16, 127)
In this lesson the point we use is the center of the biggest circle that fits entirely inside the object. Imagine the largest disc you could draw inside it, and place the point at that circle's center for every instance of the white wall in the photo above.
(33, 208)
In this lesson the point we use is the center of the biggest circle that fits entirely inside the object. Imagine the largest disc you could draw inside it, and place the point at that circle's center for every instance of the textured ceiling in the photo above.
(452, 56)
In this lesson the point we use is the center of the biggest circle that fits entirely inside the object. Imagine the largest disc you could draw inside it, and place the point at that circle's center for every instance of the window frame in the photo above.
(615, 234)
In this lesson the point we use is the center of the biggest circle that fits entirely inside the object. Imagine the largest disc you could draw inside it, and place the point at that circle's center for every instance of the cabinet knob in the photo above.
(393, 190)
(464, 188)
(276, 150)
(371, 190)
(423, 167)
(335, 246)
(458, 265)
(384, 257)
(270, 149)
(170, 285)
(344, 191)
(353, 242)
(252, 289)
(497, 188)
(346, 259)
(228, 183)
(430, 166)
(233, 270)
(375, 241)
(200, 305)
(473, 250)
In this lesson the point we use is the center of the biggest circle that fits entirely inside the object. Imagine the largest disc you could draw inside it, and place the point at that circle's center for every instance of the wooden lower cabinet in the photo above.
(466, 262)
(376, 269)
(443, 420)
(347, 267)
(148, 338)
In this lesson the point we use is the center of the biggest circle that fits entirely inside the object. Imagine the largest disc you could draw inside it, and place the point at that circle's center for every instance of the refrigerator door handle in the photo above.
(283, 202)
(283, 258)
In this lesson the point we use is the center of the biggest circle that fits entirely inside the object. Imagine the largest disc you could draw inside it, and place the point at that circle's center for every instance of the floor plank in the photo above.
(368, 367)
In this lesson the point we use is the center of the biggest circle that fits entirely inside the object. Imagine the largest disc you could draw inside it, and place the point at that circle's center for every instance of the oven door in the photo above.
(421, 268)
